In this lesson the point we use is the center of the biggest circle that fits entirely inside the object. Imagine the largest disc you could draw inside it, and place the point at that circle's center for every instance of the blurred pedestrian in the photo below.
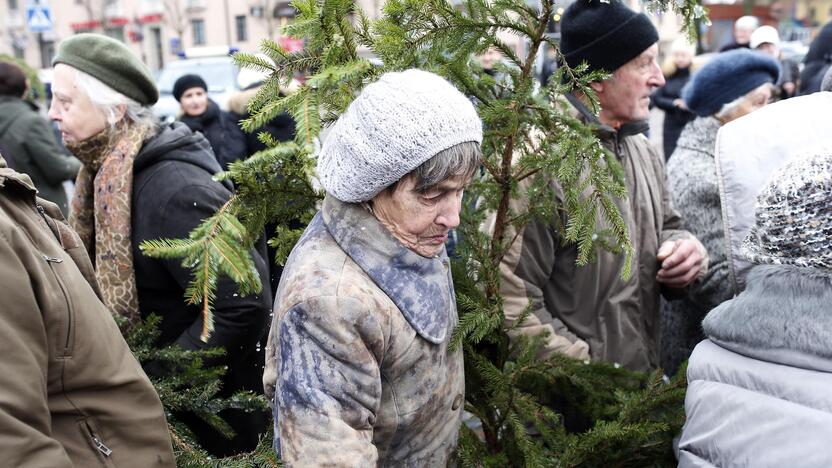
(816, 62)
(743, 27)
(729, 86)
(27, 136)
(201, 114)
(758, 387)
(71, 392)
(765, 39)
(142, 182)
(359, 357)
(668, 97)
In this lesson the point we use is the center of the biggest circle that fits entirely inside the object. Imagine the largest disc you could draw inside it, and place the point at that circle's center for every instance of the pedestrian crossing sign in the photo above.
(39, 19)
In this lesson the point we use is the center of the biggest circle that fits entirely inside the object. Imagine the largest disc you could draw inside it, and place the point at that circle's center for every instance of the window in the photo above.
(198, 31)
(116, 32)
(242, 33)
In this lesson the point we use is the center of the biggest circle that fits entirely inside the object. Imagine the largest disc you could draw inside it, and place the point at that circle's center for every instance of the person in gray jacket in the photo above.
(758, 387)
(27, 136)
(731, 85)
(358, 358)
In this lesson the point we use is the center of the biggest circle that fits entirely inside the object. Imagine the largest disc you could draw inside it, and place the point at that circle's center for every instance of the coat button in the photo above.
(457, 402)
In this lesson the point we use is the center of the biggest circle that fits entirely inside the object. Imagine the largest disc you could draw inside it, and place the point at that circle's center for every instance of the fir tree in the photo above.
(555, 412)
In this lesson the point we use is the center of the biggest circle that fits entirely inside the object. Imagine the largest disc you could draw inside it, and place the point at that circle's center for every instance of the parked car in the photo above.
(214, 65)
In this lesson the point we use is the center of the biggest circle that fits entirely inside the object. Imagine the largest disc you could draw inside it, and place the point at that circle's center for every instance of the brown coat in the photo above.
(71, 392)
(592, 305)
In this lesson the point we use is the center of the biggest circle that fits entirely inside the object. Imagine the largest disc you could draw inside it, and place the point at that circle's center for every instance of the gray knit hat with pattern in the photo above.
(391, 128)
(794, 215)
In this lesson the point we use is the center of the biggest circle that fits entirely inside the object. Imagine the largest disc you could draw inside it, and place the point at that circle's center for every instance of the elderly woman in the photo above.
(730, 85)
(669, 97)
(758, 392)
(140, 182)
(358, 359)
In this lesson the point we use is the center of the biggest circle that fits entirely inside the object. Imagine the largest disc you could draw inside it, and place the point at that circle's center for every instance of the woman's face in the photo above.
(75, 113)
(756, 99)
(194, 102)
(682, 58)
(421, 221)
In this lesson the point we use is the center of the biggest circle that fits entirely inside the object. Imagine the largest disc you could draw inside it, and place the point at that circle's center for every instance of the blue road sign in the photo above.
(39, 19)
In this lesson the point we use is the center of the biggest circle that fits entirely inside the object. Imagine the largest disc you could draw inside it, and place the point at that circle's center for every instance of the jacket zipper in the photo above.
(64, 291)
(96, 442)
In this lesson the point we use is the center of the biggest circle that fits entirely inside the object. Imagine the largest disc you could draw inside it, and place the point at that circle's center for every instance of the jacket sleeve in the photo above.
(699, 204)
(328, 390)
(24, 414)
(238, 320)
(524, 271)
(44, 151)
(662, 100)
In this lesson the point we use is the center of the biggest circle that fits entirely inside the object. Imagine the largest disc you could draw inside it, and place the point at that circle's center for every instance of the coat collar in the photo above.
(602, 131)
(8, 174)
(420, 287)
(700, 135)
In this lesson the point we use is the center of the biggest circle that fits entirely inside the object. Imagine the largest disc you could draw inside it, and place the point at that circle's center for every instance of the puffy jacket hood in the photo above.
(176, 142)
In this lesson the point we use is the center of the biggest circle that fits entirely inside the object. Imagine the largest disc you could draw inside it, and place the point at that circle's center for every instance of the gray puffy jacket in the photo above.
(759, 387)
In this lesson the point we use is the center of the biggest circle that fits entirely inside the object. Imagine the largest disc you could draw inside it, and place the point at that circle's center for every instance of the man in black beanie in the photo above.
(590, 312)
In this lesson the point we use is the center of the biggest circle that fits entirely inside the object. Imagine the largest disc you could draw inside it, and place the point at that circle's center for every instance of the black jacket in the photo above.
(30, 147)
(675, 118)
(223, 132)
(173, 192)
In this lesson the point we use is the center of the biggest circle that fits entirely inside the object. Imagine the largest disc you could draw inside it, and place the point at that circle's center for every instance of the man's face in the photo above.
(194, 102)
(76, 115)
(742, 35)
(626, 96)
(421, 221)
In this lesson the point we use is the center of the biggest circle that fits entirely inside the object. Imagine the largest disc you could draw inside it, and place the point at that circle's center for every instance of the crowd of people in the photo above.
(357, 361)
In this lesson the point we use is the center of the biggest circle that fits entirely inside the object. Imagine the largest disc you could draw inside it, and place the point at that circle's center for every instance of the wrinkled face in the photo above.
(626, 96)
(78, 118)
(682, 58)
(421, 221)
(756, 99)
(194, 101)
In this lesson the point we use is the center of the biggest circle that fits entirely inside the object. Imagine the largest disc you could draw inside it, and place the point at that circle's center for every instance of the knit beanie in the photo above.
(391, 128)
(604, 34)
(186, 82)
(726, 77)
(793, 218)
(111, 62)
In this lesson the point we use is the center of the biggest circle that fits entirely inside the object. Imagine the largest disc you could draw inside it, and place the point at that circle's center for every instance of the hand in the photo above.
(681, 262)
(680, 104)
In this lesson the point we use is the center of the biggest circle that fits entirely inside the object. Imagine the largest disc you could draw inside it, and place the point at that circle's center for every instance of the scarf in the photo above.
(101, 211)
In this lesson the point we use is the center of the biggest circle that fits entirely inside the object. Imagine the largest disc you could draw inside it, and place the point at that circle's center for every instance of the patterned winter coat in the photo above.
(692, 178)
(358, 358)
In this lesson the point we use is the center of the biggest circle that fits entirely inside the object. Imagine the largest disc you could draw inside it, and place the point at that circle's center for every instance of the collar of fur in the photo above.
(784, 316)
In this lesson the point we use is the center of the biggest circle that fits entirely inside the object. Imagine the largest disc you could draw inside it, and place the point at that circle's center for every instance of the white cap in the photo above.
(763, 35)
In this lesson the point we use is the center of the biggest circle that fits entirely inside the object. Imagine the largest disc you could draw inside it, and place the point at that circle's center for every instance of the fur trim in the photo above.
(784, 308)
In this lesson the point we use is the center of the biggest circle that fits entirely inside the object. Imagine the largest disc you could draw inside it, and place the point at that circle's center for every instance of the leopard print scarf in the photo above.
(101, 211)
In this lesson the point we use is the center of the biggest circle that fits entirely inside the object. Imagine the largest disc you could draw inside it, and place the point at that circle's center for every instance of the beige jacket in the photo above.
(590, 311)
(71, 392)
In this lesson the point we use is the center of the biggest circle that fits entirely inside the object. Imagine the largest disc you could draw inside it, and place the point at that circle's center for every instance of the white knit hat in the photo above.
(392, 127)
(793, 224)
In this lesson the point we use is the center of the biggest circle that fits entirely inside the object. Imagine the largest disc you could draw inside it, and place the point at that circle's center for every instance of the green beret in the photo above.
(111, 62)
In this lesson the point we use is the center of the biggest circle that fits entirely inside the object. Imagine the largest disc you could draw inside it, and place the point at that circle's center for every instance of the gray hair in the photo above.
(107, 101)
(459, 160)
(728, 109)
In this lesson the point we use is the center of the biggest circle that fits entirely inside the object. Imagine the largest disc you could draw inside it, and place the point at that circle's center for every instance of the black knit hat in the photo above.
(111, 62)
(186, 82)
(604, 34)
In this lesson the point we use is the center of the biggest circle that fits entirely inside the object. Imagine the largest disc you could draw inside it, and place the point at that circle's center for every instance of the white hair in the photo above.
(728, 109)
(107, 101)
(747, 22)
